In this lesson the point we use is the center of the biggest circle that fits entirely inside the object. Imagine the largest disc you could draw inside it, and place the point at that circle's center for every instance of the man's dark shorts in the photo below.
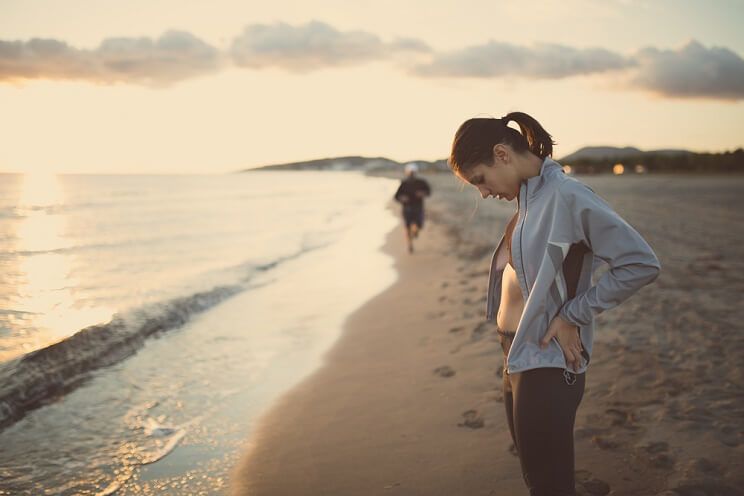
(413, 214)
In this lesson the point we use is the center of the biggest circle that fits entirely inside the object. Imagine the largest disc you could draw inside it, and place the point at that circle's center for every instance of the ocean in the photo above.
(146, 321)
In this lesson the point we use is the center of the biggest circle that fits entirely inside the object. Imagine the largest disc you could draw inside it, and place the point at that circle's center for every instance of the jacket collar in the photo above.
(534, 183)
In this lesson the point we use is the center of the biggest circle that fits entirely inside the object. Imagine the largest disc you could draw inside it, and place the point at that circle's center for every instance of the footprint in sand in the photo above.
(586, 485)
(704, 487)
(703, 466)
(659, 458)
(595, 487)
(457, 329)
(472, 420)
(662, 460)
(729, 436)
(480, 273)
(620, 417)
(444, 371)
(656, 447)
(480, 330)
(604, 443)
(588, 432)
(672, 387)
(435, 315)
(697, 414)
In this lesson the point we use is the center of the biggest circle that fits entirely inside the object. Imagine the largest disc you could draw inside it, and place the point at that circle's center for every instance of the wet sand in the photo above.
(409, 399)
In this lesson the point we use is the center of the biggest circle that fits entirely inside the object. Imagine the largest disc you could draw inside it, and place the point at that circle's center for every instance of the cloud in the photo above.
(410, 45)
(542, 61)
(692, 71)
(175, 56)
(41, 58)
(312, 46)
(179, 55)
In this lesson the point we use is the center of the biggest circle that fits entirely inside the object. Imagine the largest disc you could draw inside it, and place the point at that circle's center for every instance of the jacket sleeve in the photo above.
(398, 193)
(426, 187)
(632, 262)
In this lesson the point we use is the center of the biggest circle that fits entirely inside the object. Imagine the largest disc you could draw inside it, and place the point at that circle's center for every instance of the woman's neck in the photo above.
(528, 165)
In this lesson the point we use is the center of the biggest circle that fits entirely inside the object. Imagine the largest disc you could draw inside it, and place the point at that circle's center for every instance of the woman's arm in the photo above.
(633, 263)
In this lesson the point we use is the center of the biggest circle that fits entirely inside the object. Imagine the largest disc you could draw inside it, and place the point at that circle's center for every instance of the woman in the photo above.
(540, 284)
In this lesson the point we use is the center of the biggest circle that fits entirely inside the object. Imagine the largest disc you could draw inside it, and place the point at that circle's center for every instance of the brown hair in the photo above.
(475, 139)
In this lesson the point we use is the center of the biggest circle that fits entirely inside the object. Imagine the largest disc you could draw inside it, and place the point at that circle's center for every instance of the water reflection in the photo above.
(44, 308)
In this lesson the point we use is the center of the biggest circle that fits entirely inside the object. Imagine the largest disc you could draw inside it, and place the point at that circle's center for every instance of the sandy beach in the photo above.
(409, 399)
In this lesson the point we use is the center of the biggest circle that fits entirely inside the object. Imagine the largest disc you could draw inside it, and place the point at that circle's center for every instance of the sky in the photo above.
(185, 86)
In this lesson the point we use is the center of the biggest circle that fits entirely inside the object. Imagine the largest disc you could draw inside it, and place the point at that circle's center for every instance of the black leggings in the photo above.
(541, 408)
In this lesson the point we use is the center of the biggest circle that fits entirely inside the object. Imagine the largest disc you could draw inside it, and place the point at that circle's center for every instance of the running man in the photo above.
(411, 194)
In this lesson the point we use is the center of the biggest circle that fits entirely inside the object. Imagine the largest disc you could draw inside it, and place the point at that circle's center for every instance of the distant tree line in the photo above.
(651, 162)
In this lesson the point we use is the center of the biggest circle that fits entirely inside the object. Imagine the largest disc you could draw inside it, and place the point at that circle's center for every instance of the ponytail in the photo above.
(475, 139)
(539, 141)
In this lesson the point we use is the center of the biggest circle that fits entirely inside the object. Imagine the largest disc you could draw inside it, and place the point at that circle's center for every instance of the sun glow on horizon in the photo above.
(370, 84)
(45, 308)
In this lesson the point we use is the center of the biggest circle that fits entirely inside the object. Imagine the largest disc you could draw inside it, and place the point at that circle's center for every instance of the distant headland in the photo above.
(587, 160)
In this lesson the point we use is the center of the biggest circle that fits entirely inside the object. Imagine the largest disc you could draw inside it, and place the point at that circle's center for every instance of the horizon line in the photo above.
(242, 169)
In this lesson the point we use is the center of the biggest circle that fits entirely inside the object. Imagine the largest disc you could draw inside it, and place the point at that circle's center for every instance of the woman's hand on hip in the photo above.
(567, 336)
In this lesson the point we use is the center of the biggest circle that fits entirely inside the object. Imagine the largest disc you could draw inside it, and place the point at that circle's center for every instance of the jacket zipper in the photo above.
(521, 230)
(521, 260)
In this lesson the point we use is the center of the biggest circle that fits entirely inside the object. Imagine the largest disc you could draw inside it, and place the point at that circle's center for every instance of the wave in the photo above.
(79, 248)
(41, 376)
(23, 211)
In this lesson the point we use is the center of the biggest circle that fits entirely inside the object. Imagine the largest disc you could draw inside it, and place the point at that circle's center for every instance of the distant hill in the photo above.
(366, 164)
(588, 160)
(614, 153)
(601, 159)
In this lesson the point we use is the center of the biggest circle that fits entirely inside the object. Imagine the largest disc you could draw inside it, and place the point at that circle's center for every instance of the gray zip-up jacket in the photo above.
(563, 231)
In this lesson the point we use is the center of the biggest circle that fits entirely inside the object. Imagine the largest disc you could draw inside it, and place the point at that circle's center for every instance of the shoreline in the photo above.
(169, 418)
(321, 437)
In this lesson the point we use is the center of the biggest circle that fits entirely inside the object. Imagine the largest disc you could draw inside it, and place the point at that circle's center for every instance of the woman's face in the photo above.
(498, 180)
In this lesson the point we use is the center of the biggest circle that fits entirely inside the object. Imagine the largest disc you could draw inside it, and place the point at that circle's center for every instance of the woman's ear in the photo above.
(501, 153)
